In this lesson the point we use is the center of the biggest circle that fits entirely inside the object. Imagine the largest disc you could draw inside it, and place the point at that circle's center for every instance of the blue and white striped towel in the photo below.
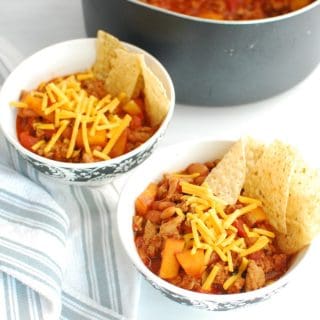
(59, 249)
(60, 254)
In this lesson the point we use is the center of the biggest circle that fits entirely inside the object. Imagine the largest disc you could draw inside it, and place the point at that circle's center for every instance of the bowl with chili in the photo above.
(233, 52)
(183, 246)
(60, 118)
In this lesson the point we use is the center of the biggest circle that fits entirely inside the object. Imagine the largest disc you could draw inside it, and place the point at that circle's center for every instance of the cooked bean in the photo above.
(198, 168)
(199, 180)
(168, 212)
(211, 164)
(162, 190)
(161, 205)
(153, 216)
(174, 187)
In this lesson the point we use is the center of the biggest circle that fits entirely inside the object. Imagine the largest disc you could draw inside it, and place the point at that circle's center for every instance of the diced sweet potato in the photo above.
(254, 216)
(169, 265)
(297, 4)
(132, 108)
(35, 104)
(99, 139)
(143, 202)
(192, 264)
(120, 146)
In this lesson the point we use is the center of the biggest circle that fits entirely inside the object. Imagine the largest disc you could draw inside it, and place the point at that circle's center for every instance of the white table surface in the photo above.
(292, 116)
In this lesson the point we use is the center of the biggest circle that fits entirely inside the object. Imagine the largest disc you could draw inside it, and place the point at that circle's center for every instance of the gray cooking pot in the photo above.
(217, 62)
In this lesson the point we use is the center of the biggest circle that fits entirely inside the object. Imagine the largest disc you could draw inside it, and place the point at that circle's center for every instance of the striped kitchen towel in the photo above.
(60, 254)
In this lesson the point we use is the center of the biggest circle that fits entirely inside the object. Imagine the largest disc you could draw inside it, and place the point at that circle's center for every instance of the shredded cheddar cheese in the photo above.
(44, 102)
(232, 279)
(84, 76)
(100, 155)
(37, 145)
(212, 230)
(43, 126)
(18, 104)
(264, 232)
(250, 234)
(258, 245)
(179, 212)
(207, 284)
(207, 255)
(116, 133)
(64, 103)
(56, 136)
(230, 262)
(247, 200)
(180, 175)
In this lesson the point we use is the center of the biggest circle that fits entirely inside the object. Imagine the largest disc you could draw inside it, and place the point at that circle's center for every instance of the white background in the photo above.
(27, 26)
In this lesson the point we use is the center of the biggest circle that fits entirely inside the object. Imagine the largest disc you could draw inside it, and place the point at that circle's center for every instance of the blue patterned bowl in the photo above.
(177, 157)
(62, 59)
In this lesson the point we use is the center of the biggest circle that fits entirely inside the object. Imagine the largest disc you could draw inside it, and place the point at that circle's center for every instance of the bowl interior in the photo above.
(59, 60)
(170, 159)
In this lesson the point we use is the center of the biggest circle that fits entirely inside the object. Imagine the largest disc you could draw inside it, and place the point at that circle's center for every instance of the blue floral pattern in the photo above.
(212, 305)
(93, 174)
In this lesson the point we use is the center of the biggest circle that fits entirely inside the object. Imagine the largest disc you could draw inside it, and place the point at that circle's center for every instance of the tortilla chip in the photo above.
(303, 209)
(156, 100)
(270, 181)
(254, 151)
(106, 44)
(289, 243)
(125, 74)
(227, 178)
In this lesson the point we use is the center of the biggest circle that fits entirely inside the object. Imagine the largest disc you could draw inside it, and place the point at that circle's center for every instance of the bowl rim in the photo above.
(112, 161)
(310, 6)
(188, 294)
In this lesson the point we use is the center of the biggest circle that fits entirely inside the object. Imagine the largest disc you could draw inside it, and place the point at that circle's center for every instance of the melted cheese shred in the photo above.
(68, 105)
(207, 284)
(231, 280)
(212, 230)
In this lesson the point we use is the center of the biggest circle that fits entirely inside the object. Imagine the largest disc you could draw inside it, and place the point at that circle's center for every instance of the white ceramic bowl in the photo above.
(169, 159)
(63, 59)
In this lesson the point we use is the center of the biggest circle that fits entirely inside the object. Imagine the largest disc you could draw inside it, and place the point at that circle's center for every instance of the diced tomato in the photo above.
(136, 122)
(139, 102)
(27, 140)
(20, 124)
(238, 223)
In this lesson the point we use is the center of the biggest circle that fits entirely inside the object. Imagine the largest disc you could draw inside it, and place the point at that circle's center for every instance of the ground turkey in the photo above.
(255, 277)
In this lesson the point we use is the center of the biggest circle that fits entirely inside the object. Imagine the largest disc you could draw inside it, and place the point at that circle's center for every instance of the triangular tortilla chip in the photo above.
(125, 74)
(254, 151)
(270, 182)
(106, 44)
(303, 209)
(156, 100)
(227, 178)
